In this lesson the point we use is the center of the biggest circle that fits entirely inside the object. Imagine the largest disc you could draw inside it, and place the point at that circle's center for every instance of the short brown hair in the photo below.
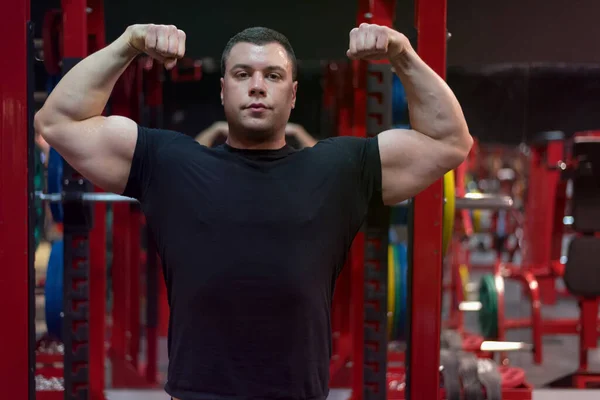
(260, 36)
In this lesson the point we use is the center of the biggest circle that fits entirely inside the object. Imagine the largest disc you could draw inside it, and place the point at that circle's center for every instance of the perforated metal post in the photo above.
(76, 296)
(77, 225)
(372, 115)
(379, 118)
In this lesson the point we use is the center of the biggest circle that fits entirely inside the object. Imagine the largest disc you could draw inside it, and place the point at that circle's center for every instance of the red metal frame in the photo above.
(96, 41)
(544, 214)
(14, 235)
(423, 379)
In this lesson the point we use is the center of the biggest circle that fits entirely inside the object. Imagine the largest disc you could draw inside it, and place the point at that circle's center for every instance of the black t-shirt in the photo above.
(252, 242)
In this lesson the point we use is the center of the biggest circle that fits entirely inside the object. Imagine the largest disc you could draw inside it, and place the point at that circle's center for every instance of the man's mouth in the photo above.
(257, 106)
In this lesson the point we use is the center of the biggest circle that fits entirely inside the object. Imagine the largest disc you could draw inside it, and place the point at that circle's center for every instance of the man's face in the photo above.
(257, 91)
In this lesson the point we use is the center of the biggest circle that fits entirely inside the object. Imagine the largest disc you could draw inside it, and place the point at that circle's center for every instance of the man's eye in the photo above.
(274, 76)
(242, 74)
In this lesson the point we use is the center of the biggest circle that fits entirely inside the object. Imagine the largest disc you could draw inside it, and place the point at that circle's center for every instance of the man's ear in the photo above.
(294, 91)
(222, 84)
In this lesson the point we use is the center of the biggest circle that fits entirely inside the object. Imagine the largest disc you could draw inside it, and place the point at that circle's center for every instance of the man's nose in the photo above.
(257, 85)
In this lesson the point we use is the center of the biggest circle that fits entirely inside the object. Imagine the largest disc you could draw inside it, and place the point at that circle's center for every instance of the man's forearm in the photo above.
(84, 91)
(433, 108)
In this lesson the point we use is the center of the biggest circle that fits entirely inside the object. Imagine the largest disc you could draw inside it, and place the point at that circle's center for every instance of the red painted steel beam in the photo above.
(75, 42)
(425, 295)
(14, 235)
(96, 41)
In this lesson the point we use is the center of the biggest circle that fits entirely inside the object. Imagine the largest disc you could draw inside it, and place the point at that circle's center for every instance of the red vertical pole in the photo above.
(14, 235)
(120, 275)
(425, 294)
(96, 41)
(74, 29)
(134, 285)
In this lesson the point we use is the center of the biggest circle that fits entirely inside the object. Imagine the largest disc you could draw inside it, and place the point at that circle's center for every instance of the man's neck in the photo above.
(275, 143)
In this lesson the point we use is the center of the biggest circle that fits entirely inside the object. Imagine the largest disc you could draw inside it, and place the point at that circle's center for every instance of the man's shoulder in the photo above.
(343, 146)
(162, 135)
(342, 142)
(167, 141)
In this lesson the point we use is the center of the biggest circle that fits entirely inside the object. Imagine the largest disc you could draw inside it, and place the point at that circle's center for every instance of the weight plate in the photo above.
(488, 315)
(54, 290)
(448, 223)
(391, 292)
(55, 176)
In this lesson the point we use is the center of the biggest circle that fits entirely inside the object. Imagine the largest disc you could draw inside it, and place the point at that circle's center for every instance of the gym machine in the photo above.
(555, 161)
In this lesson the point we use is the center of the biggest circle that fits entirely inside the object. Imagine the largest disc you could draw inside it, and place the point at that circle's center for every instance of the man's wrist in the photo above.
(398, 47)
(126, 48)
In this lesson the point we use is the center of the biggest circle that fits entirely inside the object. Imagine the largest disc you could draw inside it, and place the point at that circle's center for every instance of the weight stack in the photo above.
(379, 118)
(76, 284)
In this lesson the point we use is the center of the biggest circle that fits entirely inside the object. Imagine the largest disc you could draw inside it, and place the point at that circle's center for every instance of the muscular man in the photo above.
(251, 318)
(219, 131)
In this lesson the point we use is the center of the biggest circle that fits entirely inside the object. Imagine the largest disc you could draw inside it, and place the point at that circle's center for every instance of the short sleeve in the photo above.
(146, 158)
(363, 163)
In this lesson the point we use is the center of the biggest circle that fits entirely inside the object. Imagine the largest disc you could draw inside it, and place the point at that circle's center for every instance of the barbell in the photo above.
(84, 197)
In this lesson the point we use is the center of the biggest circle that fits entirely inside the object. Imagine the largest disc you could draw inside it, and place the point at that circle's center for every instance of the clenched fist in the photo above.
(375, 42)
(164, 43)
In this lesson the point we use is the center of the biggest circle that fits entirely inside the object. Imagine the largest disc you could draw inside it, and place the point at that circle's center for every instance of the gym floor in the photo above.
(560, 357)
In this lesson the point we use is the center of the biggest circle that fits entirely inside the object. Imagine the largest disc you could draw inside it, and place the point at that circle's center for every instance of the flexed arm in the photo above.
(71, 121)
(413, 159)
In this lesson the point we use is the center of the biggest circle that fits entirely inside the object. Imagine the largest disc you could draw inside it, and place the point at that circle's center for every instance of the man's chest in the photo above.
(238, 196)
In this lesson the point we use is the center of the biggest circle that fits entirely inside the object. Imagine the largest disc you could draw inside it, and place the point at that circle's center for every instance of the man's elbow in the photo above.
(41, 124)
(45, 126)
(458, 150)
